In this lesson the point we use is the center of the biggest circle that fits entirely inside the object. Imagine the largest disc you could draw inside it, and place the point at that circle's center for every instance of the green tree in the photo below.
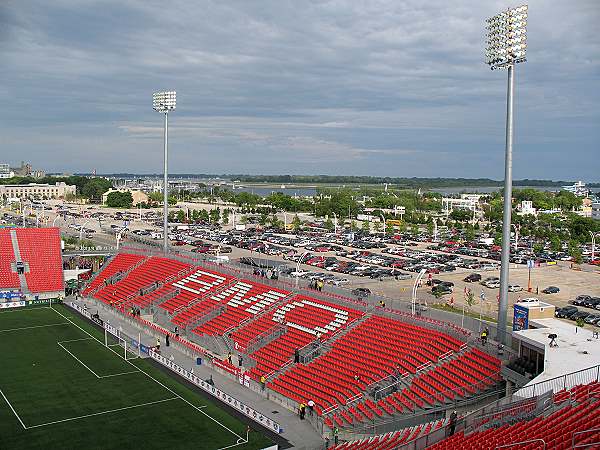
(263, 219)
(366, 227)
(225, 216)
(119, 199)
(93, 188)
(461, 215)
(497, 238)
(389, 228)
(470, 233)
(180, 216)
(329, 224)
(203, 216)
(215, 215)
(296, 223)
(414, 229)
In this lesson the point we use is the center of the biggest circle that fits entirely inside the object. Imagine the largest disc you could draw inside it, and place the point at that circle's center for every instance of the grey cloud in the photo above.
(285, 86)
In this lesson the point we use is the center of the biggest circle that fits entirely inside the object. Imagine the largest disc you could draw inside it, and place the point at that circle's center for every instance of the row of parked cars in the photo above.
(591, 313)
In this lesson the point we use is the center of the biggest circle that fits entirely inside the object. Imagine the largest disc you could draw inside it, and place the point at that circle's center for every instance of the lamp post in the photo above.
(593, 245)
(298, 266)
(163, 102)
(413, 302)
(334, 223)
(506, 46)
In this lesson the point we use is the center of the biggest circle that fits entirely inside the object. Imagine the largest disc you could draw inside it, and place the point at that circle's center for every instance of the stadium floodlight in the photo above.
(506, 46)
(163, 102)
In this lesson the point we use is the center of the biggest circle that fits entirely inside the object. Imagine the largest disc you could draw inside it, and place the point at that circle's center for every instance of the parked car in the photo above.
(473, 278)
(441, 289)
(579, 315)
(566, 312)
(361, 292)
(514, 288)
(551, 290)
(580, 299)
(592, 319)
(529, 300)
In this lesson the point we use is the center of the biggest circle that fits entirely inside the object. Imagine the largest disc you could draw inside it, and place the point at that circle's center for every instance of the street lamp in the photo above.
(163, 102)
(593, 244)
(413, 302)
(506, 46)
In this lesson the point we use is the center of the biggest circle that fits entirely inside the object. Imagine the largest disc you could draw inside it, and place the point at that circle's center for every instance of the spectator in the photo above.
(311, 407)
(229, 358)
(336, 437)
(302, 411)
(452, 425)
(167, 339)
(263, 382)
(296, 356)
(176, 331)
(382, 303)
(157, 344)
(240, 361)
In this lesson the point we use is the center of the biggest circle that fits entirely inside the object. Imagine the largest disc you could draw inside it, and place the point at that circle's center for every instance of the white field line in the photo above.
(75, 340)
(80, 361)
(101, 413)
(23, 309)
(33, 327)
(155, 380)
(240, 441)
(13, 410)
(119, 374)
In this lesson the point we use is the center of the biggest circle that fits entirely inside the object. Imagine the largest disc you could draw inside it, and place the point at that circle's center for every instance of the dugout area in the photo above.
(61, 387)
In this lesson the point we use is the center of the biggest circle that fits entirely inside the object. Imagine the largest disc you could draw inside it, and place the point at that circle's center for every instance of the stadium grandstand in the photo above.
(376, 378)
(365, 368)
(31, 263)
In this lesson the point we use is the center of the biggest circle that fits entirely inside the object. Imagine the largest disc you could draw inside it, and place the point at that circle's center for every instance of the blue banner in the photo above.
(520, 318)
(10, 294)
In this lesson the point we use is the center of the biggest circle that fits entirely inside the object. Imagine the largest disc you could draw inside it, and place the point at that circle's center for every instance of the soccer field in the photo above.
(60, 387)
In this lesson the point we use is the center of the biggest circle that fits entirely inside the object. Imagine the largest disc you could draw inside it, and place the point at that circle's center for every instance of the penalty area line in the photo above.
(101, 413)
(13, 410)
(34, 327)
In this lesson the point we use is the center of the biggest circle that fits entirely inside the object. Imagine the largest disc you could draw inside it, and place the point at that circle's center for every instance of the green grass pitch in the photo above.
(61, 388)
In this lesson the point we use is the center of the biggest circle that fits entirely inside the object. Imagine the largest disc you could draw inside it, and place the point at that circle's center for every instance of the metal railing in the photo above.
(562, 382)
(595, 436)
(513, 444)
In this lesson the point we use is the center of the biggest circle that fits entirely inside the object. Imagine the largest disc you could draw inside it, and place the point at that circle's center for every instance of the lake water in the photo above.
(311, 191)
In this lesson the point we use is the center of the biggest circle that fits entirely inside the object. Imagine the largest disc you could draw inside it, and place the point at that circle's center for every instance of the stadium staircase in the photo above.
(17, 256)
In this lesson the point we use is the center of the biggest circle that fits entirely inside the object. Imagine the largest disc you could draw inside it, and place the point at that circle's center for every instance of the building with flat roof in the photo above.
(549, 350)
(137, 195)
(5, 171)
(36, 190)
(596, 210)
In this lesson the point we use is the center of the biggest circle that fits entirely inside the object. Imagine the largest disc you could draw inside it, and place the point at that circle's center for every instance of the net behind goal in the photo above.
(122, 344)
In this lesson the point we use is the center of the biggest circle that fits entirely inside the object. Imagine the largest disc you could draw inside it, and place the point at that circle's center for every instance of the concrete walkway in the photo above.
(300, 434)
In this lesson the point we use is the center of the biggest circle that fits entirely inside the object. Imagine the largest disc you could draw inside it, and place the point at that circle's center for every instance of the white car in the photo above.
(514, 288)
(529, 300)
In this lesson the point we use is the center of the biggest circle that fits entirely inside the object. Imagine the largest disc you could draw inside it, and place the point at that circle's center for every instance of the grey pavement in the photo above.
(300, 434)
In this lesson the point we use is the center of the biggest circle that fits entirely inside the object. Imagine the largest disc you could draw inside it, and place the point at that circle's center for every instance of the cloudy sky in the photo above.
(382, 87)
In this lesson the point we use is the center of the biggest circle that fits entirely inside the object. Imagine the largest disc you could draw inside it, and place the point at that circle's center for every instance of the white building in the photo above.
(35, 190)
(596, 210)
(526, 208)
(469, 202)
(5, 171)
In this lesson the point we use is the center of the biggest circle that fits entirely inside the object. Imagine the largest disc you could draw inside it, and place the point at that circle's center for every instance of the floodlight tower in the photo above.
(163, 102)
(506, 46)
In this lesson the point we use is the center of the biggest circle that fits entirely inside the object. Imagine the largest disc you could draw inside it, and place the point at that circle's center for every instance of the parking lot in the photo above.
(385, 265)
